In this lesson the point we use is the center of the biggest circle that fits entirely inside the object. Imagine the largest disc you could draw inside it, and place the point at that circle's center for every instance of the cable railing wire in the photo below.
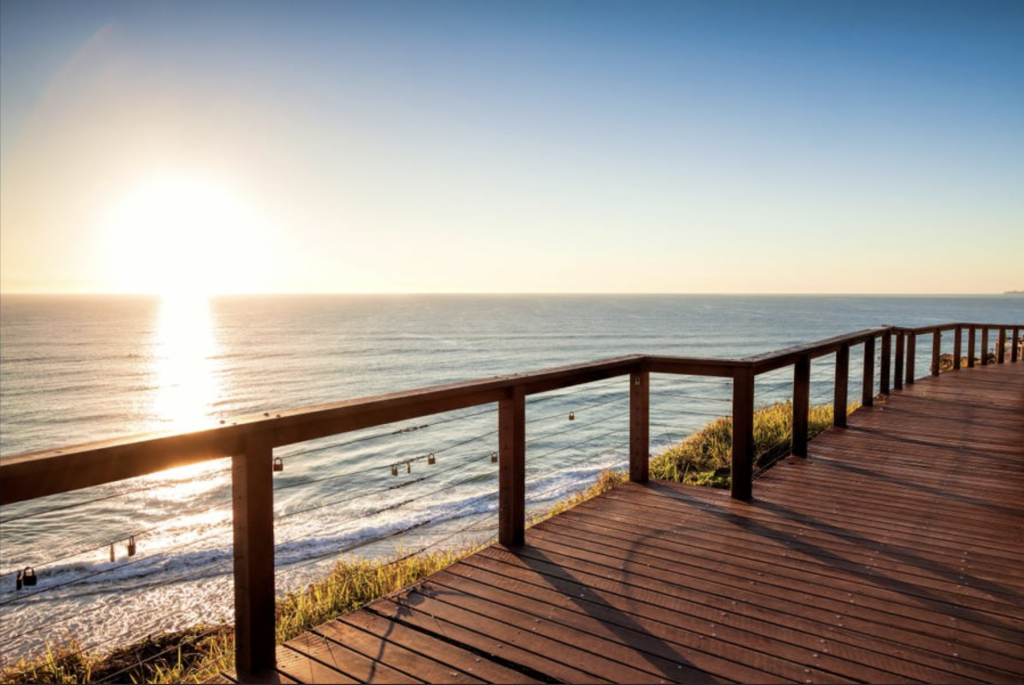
(385, 434)
(575, 427)
(375, 469)
(107, 541)
(562, 414)
(74, 505)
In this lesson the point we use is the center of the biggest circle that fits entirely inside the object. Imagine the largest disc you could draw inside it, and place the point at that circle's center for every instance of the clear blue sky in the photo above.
(512, 147)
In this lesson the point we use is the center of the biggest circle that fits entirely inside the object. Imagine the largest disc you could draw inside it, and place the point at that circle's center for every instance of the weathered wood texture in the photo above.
(891, 553)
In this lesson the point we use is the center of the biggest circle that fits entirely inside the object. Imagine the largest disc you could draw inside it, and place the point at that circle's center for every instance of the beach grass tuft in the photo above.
(704, 457)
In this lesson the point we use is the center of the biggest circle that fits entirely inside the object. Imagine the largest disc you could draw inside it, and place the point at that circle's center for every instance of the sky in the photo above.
(490, 147)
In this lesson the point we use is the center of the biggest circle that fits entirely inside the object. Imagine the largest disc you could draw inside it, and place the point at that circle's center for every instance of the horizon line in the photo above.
(513, 294)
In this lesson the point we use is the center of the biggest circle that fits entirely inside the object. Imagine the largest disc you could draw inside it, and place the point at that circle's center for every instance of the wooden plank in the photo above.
(805, 562)
(663, 649)
(299, 667)
(512, 467)
(396, 657)
(547, 660)
(639, 425)
(459, 658)
(626, 604)
(340, 659)
(630, 651)
(269, 677)
(252, 496)
(936, 352)
(740, 594)
(984, 346)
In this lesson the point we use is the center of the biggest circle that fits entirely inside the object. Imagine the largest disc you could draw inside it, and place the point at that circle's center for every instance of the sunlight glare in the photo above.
(184, 363)
(183, 236)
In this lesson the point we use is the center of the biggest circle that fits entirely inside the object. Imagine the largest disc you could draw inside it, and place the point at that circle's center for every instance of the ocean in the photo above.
(83, 368)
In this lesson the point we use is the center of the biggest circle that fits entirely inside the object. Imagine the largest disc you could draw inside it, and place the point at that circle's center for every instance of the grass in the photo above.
(704, 457)
(199, 654)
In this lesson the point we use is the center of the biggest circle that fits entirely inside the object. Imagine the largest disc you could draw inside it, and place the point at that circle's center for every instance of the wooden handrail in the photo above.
(250, 441)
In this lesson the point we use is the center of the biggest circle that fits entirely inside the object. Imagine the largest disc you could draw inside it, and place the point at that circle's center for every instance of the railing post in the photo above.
(842, 385)
(252, 491)
(957, 347)
(742, 468)
(936, 351)
(911, 353)
(801, 404)
(639, 425)
(984, 346)
(898, 376)
(1013, 346)
(883, 380)
(868, 392)
(512, 467)
(1001, 354)
(971, 336)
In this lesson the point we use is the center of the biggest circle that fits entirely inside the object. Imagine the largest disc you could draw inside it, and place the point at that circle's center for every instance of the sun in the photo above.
(183, 235)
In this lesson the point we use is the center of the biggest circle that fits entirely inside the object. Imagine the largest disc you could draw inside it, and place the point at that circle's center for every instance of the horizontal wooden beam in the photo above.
(48, 472)
(791, 355)
(695, 366)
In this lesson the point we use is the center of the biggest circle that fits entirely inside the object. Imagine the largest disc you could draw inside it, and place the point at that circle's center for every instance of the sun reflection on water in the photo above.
(184, 364)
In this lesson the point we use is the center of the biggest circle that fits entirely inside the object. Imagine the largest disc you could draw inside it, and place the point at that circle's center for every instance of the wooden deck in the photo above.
(891, 554)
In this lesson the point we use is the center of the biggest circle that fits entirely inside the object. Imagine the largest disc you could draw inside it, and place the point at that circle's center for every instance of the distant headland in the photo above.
(1014, 292)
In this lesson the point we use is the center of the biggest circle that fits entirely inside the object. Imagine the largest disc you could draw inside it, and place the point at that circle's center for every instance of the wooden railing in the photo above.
(250, 441)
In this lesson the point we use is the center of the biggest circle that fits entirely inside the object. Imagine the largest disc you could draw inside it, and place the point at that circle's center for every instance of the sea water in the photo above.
(77, 369)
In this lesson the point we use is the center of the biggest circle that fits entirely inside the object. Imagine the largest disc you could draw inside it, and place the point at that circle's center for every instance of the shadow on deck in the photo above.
(891, 554)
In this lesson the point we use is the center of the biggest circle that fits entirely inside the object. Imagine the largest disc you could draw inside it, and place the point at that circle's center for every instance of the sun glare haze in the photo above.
(182, 236)
(236, 147)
